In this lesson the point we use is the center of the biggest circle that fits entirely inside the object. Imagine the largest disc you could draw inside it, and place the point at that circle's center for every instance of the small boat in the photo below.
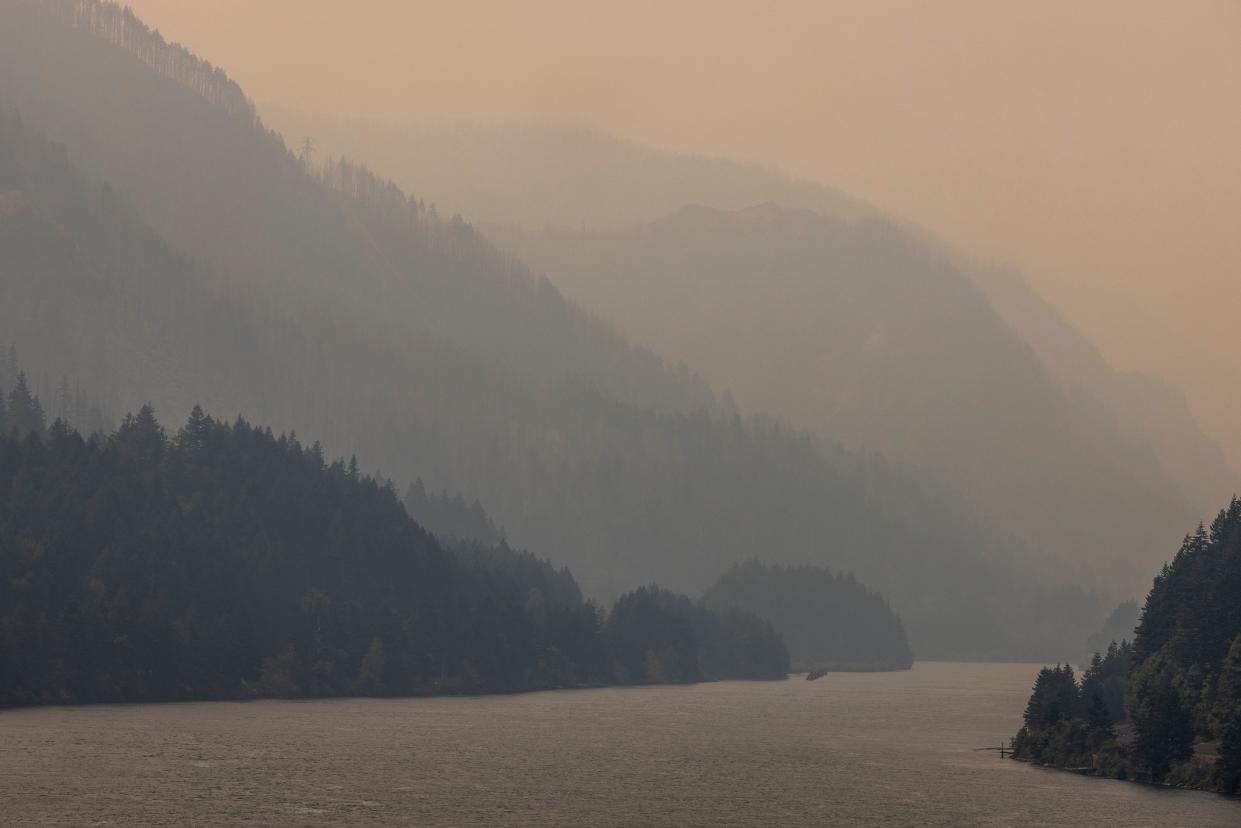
(815, 675)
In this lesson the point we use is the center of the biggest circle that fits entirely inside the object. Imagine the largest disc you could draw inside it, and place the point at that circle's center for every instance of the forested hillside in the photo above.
(450, 516)
(856, 331)
(22, 410)
(183, 149)
(1144, 409)
(537, 175)
(521, 178)
(1168, 708)
(620, 492)
(828, 620)
(226, 562)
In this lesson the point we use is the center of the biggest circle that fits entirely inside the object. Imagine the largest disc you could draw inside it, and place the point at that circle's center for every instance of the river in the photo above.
(885, 749)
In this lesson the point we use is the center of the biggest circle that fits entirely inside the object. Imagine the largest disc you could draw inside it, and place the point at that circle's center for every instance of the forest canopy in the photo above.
(226, 562)
(829, 620)
(1166, 708)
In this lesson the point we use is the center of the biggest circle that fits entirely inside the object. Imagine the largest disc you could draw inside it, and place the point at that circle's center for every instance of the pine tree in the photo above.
(1228, 718)
(1163, 728)
(25, 412)
(1054, 699)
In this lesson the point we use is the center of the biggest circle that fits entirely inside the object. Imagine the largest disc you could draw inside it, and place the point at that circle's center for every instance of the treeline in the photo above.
(118, 25)
(23, 411)
(829, 620)
(227, 562)
(1167, 708)
(450, 516)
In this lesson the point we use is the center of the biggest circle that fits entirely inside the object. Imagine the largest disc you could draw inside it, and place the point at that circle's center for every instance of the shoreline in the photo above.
(1095, 774)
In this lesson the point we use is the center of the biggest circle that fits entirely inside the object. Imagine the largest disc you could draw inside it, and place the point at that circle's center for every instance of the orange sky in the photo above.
(1097, 145)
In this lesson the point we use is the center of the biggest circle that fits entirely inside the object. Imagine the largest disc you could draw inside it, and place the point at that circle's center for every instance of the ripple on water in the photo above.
(851, 749)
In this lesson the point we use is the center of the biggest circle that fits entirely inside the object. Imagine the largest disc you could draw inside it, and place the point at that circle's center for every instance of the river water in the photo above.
(850, 749)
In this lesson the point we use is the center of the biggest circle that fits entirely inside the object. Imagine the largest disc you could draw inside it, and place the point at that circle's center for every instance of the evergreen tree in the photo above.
(228, 562)
(1228, 719)
(1055, 698)
(1163, 728)
(24, 410)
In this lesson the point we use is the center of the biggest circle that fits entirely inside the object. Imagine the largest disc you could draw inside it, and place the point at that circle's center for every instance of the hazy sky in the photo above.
(1097, 144)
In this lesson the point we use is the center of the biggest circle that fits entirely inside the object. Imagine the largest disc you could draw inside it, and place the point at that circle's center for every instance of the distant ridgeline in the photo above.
(316, 297)
(828, 620)
(117, 24)
(1167, 708)
(226, 562)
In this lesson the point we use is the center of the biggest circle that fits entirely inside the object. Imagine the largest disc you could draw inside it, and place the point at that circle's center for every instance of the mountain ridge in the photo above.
(622, 492)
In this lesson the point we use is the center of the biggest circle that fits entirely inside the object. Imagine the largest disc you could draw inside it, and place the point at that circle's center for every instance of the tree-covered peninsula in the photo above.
(227, 562)
(829, 620)
(1166, 708)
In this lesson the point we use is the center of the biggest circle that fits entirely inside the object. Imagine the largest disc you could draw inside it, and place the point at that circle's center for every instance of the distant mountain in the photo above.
(520, 178)
(533, 175)
(170, 248)
(857, 331)
(1145, 409)
(181, 147)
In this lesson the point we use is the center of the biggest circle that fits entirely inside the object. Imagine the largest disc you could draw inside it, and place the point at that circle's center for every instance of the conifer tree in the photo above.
(25, 412)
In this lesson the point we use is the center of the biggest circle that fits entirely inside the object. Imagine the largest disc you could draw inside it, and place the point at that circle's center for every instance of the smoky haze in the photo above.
(395, 350)
(1092, 145)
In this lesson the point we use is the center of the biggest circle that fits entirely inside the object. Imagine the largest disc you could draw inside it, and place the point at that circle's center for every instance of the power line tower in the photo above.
(307, 150)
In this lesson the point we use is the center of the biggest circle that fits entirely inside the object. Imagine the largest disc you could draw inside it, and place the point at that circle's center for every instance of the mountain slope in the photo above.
(521, 178)
(856, 331)
(182, 147)
(621, 492)
(535, 175)
(1147, 410)
(226, 562)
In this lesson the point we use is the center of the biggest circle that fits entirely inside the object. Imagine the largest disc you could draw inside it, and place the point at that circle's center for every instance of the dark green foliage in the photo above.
(736, 644)
(1228, 719)
(1163, 727)
(1178, 684)
(1054, 699)
(227, 562)
(828, 620)
(659, 636)
(1103, 684)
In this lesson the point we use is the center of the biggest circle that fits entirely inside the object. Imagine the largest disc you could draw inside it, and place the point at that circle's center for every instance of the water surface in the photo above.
(850, 749)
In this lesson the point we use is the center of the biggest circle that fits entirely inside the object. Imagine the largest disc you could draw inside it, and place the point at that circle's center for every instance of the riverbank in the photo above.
(1109, 753)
